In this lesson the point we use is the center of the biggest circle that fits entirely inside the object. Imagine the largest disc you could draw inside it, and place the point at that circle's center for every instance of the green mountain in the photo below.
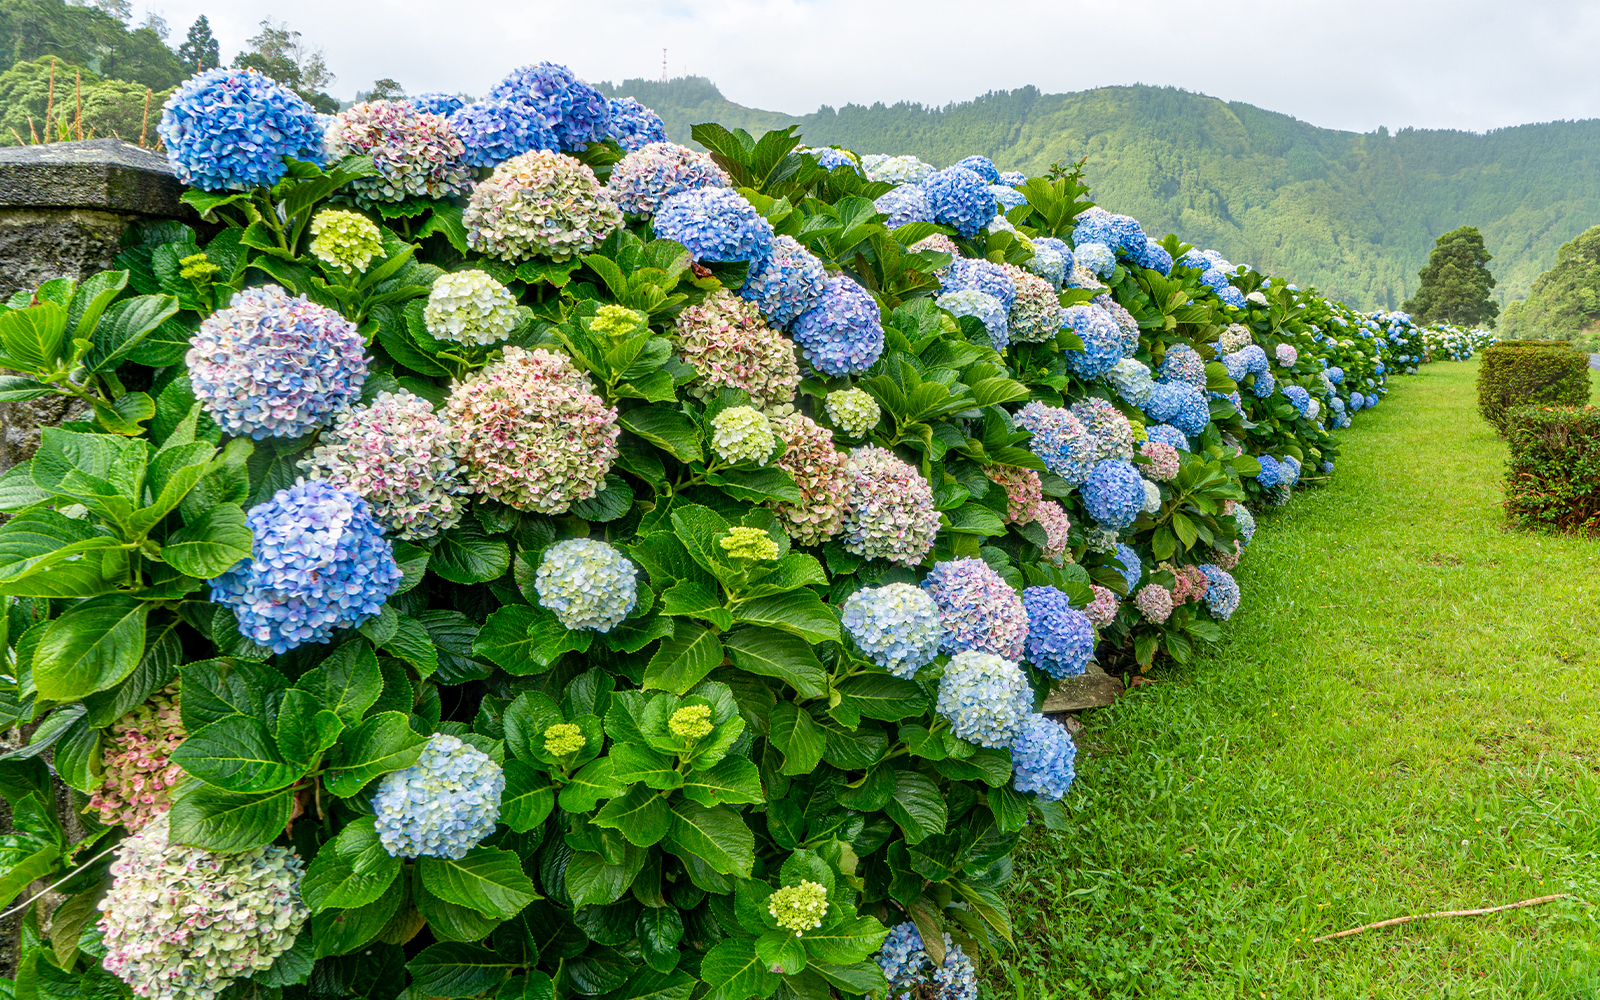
(1564, 303)
(1353, 214)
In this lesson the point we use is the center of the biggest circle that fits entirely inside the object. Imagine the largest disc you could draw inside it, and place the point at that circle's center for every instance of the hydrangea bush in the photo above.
(566, 563)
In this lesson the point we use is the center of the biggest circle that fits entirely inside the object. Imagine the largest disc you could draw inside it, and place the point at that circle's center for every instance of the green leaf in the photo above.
(342, 931)
(666, 428)
(781, 952)
(34, 339)
(732, 781)
(42, 554)
(229, 822)
(917, 806)
(237, 753)
(412, 643)
(466, 555)
(529, 797)
(24, 860)
(734, 971)
(771, 653)
(90, 647)
(210, 545)
(592, 783)
(864, 978)
(854, 939)
(488, 880)
(353, 869)
(454, 969)
(793, 731)
(386, 742)
(607, 505)
(347, 681)
(800, 612)
(879, 696)
(765, 485)
(716, 835)
(305, 729)
(988, 904)
(523, 640)
(592, 880)
(632, 763)
(216, 689)
(683, 660)
(124, 326)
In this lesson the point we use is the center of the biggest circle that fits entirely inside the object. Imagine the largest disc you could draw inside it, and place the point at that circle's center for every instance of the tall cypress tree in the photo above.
(1456, 283)
(200, 50)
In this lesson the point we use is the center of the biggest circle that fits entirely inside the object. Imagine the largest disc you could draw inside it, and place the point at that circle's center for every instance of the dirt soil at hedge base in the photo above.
(1404, 717)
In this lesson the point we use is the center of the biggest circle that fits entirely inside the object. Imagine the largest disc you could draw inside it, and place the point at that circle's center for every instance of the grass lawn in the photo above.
(1404, 717)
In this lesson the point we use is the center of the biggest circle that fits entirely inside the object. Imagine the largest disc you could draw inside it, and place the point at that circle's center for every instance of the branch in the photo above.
(1442, 913)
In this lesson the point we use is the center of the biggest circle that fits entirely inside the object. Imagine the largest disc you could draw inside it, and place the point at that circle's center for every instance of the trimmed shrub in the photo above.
(1516, 374)
(1553, 477)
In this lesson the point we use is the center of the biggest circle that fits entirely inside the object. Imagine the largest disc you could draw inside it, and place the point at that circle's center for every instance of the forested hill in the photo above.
(1356, 215)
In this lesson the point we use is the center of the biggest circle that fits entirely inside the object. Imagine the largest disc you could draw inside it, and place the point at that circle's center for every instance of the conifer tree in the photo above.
(200, 51)
(1456, 283)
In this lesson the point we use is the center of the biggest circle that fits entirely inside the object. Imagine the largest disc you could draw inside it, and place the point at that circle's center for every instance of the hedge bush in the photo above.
(1548, 373)
(1553, 475)
(551, 561)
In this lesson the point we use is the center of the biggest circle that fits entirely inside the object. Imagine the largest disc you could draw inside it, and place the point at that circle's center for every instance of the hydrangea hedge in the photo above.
(525, 552)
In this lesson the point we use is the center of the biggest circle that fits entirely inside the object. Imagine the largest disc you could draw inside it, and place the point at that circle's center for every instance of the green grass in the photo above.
(1403, 717)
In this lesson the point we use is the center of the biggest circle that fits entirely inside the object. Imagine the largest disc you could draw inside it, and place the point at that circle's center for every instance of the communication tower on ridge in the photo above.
(663, 65)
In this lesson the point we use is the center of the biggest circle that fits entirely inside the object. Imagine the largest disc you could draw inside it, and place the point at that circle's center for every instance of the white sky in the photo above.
(1348, 64)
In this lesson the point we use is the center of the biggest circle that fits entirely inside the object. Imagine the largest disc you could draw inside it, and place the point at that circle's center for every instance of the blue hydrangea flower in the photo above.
(1131, 379)
(843, 333)
(1052, 260)
(495, 131)
(1013, 177)
(436, 103)
(786, 284)
(1114, 494)
(1183, 364)
(1060, 440)
(1101, 336)
(715, 224)
(911, 972)
(896, 626)
(229, 130)
(895, 169)
(1116, 232)
(1232, 296)
(443, 805)
(576, 112)
(971, 302)
(828, 157)
(1132, 569)
(984, 697)
(1246, 522)
(272, 365)
(1042, 758)
(1060, 638)
(1238, 365)
(978, 609)
(961, 199)
(587, 584)
(1299, 397)
(1222, 596)
(1167, 434)
(985, 276)
(905, 204)
(1335, 374)
(1181, 405)
(1097, 257)
(642, 179)
(1008, 198)
(633, 125)
(319, 562)
(1254, 358)
(1154, 256)
(1264, 385)
(1288, 471)
(1274, 472)
(982, 166)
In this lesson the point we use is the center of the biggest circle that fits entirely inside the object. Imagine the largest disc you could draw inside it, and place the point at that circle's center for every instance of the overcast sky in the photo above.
(1349, 64)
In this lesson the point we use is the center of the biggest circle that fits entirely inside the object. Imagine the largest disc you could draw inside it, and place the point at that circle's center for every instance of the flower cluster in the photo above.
(633, 125)
(492, 132)
(1264, 385)
(531, 433)
(587, 584)
(984, 697)
(1035, 316)
(1131, 380)
(645, 177)
(1132, 569)
(895, 169)
(961, 199)
(539, 204)
(895, 625)
(1105, 424)
(742, 434)
(1052, 517)
(1113, 494)
(272, 365)
(853, 411)
(1052, 259)
(1102, 340)
(1233, 338)
(818, 469)
(396, 454)
(903, 205)
(1102, 609)
(1286, 355)
(843, 333)
(417, 154)
(1222, 594)
(230, 129)
(828, 157)
(1300, 398)
(788, 282)
(470, 307)
(982, 166)
(715, 224)
(1168, 435)
(1024, 493)
(1163, 460)
(344, 240)
(1059, 439)
(978, 609)
(1180, 404)
(748, 544)
(982, 306)
(180, 923)
(441, 806)
(912, 974)
(1182, 364)
(436, 103)
(319, 563)
(691, 722)
(1119, 232)
(1154, 602)
(1042, 758)
(889, 512)
(1060, 639)
(137, 773)
(576, 112)
(800, 907)
(724, 340)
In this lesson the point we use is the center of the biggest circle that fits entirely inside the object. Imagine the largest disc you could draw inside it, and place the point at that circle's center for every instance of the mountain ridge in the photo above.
(1354, 214)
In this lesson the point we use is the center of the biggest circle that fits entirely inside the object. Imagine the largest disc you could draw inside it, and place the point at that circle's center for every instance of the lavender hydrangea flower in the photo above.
(1061, 639)
(843, 333)
(641, 180)
(1132, 569)
(905, 204)
(319, 562)
(788, 282)
(961, 199)
(1154, 256)
(492, 132)
(1125, 322)
(1180, 404)
(896, 626)
(1102, 340)
(1183, 364)
(982, 166)
(436, 103)
(1222, 596)
(1059, 439)
(1286, 355)
(984, 307)
(1114, 494)
(888, 508)
(230, 130)
(633, 125)
(441, 806)
(982, 275)
(984, 697)
(715, 224)
(1042, 756)
(587, 584)
(1167, 434)
(417, 155)
(540, 203)
(272, 365)
(576, 112)
(978, 609)
(1112, 434)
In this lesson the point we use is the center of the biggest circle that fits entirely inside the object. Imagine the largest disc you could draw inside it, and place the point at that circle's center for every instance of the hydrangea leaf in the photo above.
(529, 796)
(238, 753)
(732, 781)
(771, 653)
(917, 806)
(592, 880)
(465, 554)
(793, 730)
(347, 681)
(386, 742)
(864, 978)
(683, 660)
(642, 816)
(90, 647)
(351, 870)
(782, 952)
(716, 835)
(454, 969)
(219, 820)
(488, 880)
(801, 613)
(734, 971)
(667, 429)
(210, 544)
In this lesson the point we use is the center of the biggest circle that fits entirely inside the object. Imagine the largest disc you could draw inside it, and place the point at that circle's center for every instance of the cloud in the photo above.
(1357, 64)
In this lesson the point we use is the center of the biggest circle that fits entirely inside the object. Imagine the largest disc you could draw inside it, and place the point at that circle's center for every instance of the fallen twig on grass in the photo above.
(1441, 913)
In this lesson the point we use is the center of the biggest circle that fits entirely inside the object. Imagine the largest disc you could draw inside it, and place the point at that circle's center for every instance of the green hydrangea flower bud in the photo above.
(563, 739)
(196, 267)
(749, 543)
(853, 411)
(742, 434)
(345, 240)
(614, 321)
(691, 722)
(799, 908)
